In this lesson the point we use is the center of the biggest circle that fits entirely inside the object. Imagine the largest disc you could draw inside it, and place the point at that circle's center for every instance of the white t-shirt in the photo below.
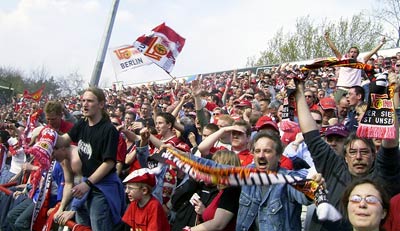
(349, 77)
(17, 161)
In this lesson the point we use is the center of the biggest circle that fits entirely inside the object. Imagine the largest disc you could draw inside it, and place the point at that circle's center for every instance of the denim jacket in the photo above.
(279, 209)
(142, 154)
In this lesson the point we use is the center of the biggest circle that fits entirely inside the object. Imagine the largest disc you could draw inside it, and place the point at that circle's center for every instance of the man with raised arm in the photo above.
(360, 160)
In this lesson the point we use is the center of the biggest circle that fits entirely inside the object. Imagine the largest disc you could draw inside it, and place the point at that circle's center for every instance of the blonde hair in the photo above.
(362, 107)
(226, 118)
(226, 157)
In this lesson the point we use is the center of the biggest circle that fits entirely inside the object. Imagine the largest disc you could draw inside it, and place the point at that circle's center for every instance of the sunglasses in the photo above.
(368, 199)
(308, 96)
(318, 121)
(116, 124)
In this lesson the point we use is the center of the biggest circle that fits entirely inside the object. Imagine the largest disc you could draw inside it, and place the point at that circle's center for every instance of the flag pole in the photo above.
(173, 78)
(94, 81)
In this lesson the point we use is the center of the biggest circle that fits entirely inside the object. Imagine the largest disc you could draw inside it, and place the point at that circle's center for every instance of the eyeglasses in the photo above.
(363, 152)
(216, 114)
(116, 124)
(368, 199)
(308, 96)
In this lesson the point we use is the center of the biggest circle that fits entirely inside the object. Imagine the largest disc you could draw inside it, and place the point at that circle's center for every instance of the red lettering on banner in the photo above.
(381, 101)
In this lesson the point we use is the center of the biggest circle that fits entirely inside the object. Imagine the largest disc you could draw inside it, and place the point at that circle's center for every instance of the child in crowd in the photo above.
(145, 212)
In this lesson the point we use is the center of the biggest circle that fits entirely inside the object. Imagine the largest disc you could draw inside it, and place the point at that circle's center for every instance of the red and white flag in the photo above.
(37, 95)
(162, 47)
(126, 58)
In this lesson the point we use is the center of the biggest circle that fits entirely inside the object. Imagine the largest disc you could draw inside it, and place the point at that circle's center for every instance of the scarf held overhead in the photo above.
(378, 120)
(234, 176)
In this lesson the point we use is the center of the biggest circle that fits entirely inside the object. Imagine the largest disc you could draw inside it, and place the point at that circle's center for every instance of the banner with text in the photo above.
(126, 58)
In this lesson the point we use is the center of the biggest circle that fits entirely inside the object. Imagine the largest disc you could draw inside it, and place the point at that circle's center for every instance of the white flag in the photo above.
(126, 58)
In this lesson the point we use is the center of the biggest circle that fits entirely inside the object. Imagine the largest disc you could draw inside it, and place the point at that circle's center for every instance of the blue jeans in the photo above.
(19, 218)
(95, 212)
(6, 175)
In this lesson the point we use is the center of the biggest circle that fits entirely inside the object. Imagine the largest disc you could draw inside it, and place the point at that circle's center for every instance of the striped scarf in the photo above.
(378, 120)
(234, 176)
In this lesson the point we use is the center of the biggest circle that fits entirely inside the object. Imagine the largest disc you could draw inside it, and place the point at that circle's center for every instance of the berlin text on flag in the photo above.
(126, 58)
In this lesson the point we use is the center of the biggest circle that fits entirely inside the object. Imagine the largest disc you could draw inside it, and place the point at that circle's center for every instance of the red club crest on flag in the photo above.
(37, 95)
(162, 47)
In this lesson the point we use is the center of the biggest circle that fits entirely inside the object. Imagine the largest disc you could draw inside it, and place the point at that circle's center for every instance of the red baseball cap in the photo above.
(327, 103)
(244, 103)
(265, 121)
(143, 175)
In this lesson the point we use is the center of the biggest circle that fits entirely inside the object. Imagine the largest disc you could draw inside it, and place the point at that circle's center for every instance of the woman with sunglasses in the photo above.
(366, 205)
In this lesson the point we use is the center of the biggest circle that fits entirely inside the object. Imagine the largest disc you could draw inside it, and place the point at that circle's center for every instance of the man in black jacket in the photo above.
(360, 160)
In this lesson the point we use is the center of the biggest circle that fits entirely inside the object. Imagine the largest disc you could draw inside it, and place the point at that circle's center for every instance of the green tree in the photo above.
(307, 42)
(40, 76)
(10, 77)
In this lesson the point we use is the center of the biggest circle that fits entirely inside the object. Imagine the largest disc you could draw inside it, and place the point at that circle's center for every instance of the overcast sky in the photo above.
(64, 35)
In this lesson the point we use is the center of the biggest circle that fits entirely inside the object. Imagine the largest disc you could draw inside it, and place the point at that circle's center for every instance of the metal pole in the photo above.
(94, 81)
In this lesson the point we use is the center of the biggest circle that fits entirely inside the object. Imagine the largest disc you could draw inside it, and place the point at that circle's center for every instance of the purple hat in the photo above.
(338, 129)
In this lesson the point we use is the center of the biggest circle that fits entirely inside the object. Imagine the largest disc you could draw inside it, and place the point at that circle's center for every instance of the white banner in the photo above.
(126, 58)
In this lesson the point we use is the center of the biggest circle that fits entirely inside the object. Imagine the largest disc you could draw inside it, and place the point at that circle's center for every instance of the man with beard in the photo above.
(360, 160)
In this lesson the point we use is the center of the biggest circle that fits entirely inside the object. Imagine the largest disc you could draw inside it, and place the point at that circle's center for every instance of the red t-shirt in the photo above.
(121, 150)
(246, 157)
(286, 163)
(313, 107)
(150, 217)
(210, 106)
(135, 164)
(65, 126)
(392, 222)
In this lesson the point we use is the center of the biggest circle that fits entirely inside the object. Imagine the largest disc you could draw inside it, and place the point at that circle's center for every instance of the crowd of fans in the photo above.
(106, 141)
